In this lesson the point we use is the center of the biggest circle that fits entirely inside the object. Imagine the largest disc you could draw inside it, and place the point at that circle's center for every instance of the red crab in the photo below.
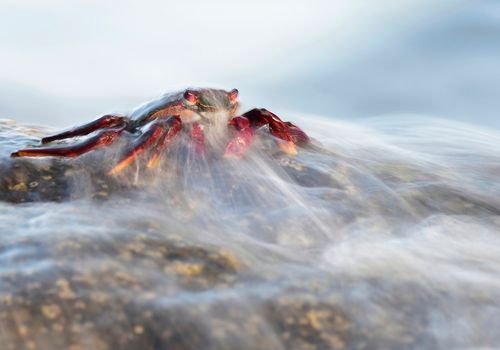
(157, 123)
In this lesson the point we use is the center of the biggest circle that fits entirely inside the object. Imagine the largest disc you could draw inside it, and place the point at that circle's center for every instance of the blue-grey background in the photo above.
(64, 62)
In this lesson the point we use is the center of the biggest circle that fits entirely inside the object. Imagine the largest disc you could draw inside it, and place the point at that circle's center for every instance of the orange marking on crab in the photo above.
(154, 161)
(288, 147)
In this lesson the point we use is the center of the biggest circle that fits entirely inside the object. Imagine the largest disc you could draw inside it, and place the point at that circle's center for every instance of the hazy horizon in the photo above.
(64, 64)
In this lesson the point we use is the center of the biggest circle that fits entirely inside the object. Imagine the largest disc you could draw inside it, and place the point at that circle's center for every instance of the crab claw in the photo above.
(237, 147)
(239, 123)
(242, 139)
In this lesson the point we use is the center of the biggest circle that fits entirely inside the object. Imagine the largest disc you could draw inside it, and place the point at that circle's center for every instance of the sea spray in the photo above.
(383, 232)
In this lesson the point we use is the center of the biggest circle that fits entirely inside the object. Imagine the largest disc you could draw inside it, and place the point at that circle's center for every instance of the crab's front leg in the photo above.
(287, 134)
(159, 134)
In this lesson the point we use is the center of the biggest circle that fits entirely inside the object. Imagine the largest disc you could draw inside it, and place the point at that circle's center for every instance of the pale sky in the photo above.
(66, 61)
(100, 48)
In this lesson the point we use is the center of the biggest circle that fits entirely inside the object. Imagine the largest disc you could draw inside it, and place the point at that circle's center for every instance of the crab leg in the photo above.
(103, 138)
(242, 137)
(198, 136)
(174, 125)
(107, 121)
(160, 132)
(283, 130)
(287, 133)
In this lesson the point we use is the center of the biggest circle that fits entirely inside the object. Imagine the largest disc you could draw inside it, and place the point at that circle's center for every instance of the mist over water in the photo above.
(384, 232)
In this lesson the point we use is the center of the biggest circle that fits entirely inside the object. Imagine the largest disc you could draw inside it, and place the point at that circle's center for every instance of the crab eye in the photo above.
(190, 97)
(233, 95)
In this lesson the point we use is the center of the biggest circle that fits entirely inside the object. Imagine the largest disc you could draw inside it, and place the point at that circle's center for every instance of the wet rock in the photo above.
(47, 179)
(270, 252)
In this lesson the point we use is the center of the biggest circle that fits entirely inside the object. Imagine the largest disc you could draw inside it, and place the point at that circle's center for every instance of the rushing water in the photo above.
(385, 233)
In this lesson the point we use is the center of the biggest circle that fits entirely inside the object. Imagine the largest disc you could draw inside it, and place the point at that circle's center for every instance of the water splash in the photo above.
(384, 233)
